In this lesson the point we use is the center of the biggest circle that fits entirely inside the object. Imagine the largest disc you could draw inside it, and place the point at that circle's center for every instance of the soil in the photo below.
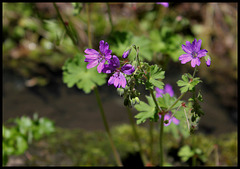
(72, 108)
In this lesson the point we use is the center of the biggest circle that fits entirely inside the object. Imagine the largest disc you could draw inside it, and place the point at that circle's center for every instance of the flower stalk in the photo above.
(136, 134)
(161, 129)
(116, 155)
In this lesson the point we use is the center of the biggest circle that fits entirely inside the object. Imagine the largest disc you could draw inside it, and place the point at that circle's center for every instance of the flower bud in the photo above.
(126, 53)
(166, 121)
(137, 100)
(120, 91)
(208, 60)
(133, 101)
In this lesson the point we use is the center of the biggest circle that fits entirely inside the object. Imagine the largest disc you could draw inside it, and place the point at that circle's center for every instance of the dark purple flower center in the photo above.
(101, 56)
(194, 54)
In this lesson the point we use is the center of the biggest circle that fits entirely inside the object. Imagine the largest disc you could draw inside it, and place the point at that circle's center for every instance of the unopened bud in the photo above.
(126, 53)
(137, 100)
(120, 91)
(166, 121)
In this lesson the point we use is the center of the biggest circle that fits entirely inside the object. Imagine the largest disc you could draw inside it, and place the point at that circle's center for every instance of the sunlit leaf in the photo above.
(76, 73)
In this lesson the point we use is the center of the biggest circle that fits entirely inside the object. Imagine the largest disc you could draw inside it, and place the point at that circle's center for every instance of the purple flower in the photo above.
(118, 78)
(193, 53)
(98, 58)
(112, 66)
(208, 62)
(165, 4)
(167, 89)
(168, 119)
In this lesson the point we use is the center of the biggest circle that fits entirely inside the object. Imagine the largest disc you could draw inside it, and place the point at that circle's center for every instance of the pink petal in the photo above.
(198, 45)
(195, 61)
(91, 52)
(93, 56)
(187, 49)
(111, 80)
(100, 66)
(92, 64)
(185, 58)
(175, 121)
(202, 53)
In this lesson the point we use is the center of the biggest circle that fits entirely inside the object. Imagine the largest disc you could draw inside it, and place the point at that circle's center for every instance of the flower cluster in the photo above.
(104, 55)
(168, 117)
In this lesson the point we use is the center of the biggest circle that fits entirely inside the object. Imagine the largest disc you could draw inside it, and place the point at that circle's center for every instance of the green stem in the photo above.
(195, 70)
(180, 97)
(155, 101)
(116, 155)
(161, 140)
(65, 26)
(194, 158)
(161, 128)
(110, 16)
(136, 134)
(151, 141)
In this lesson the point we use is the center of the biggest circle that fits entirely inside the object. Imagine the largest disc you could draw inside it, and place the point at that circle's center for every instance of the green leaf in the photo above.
(188, 83)
(21, 145)
(147, 111)
(185, 153)
(166, 101)
(75, 72)
(156, 74)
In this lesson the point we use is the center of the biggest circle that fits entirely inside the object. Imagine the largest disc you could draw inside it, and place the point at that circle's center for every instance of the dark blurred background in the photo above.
(35, 48)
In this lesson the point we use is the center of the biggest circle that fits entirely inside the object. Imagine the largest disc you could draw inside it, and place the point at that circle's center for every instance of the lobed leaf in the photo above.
(75, 72)
(156, 74)
(147, 111)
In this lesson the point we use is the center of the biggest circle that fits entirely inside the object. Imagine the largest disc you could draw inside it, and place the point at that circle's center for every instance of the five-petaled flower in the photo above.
(167, 118)
(117, 79)
(98, 58)
(193, 53)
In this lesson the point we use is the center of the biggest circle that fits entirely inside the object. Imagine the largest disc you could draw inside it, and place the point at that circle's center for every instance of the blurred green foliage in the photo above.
(91, 148)
(16, 139)
(33, 46)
